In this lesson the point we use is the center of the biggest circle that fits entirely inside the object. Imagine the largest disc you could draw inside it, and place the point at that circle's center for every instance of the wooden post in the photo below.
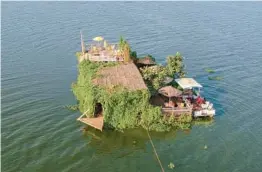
(82, 44)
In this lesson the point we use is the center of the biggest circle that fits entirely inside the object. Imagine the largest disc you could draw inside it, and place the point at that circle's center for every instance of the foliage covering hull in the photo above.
(122, 108)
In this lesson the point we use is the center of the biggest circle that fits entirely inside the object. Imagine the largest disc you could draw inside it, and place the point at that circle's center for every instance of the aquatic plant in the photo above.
(71, 107)
(209, 70)
(171, 165)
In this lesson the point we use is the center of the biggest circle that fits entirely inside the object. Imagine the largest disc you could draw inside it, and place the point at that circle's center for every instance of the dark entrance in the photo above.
(98, 109)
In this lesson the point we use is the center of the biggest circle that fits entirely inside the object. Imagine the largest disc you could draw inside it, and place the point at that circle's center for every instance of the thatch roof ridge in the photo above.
(146, 60)
(126, 75)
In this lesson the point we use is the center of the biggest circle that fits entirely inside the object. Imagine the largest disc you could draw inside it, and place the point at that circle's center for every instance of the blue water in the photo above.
(39, 40)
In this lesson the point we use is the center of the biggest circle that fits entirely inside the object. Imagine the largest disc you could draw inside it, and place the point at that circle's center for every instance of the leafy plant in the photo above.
(171, 165)
(154, 76)
(72, 107)
(209, 70)
(133, 55)
(175, 66)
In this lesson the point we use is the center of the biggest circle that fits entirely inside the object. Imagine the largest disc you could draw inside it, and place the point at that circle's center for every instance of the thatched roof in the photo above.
(146, 61)
(170, 91)
(126, 75)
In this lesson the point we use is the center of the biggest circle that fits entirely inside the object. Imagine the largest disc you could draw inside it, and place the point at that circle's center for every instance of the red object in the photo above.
(199, 100)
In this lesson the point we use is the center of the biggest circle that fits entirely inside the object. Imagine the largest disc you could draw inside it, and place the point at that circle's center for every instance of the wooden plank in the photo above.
(97, 122)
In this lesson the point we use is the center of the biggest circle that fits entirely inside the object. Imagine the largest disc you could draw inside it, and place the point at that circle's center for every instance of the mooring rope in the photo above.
(155, 152)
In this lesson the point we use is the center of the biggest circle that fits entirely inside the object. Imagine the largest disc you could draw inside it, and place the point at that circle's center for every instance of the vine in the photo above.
(122, 108)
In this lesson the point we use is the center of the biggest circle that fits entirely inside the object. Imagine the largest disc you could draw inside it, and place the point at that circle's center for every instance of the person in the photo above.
(198, 100)
(171, 103)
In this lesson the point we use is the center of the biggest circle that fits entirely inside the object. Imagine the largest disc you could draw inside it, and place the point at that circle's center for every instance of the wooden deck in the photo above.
(97, 122)
(177, 111)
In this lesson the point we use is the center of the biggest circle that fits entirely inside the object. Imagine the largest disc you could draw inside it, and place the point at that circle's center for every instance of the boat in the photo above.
(123, 91)
(191, 89)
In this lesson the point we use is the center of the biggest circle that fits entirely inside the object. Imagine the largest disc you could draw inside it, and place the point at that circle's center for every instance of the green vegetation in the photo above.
(155, 75)
(72, 107)
(118, 103)
(126, 50)
(171, 165)
(133, 55)
(209, 70)
(175, 66)
(122, 109)
(207, 122)
(217, 78)
(78, 54)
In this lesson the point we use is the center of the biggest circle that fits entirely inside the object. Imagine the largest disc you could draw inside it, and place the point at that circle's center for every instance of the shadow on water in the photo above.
(134, 139)
(131, 139)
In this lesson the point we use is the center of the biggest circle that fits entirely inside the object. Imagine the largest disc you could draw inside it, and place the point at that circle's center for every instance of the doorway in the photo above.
(98, 110)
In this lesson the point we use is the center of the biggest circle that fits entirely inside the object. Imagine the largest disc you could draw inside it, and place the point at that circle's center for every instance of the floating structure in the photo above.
(177, 102)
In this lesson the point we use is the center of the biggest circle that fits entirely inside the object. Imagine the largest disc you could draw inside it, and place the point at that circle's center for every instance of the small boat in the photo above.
(206, 110)
(201, 107)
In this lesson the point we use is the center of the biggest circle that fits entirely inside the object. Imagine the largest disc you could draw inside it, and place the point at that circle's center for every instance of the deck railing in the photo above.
(180, 110)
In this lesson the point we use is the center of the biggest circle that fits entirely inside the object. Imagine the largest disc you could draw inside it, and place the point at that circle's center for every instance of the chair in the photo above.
(210, 106)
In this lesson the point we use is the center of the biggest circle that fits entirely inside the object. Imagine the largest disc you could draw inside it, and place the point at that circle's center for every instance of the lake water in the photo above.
(39, 40)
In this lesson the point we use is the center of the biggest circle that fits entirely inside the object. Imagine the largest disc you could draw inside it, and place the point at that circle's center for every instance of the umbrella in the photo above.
(98, 38)
(170, 91)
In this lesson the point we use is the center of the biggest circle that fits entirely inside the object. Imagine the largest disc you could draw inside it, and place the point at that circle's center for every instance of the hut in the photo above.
(146, 61)
(124, 75)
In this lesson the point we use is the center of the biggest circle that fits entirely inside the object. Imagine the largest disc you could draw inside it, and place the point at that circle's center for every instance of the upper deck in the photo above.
(101, 50)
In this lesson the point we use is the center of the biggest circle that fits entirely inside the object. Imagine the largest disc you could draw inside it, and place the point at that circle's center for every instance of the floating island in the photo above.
(117, 90)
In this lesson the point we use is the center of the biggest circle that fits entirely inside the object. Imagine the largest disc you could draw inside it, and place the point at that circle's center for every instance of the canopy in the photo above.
(188, 83)
(98, 38)
(170, 91)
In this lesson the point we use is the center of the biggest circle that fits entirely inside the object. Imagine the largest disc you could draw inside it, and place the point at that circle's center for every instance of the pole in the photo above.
(82, 43)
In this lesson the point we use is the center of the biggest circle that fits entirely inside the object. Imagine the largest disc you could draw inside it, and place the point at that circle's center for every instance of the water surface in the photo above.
(39, 40)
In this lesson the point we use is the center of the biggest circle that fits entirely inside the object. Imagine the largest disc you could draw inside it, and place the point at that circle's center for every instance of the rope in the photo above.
(155, 152)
